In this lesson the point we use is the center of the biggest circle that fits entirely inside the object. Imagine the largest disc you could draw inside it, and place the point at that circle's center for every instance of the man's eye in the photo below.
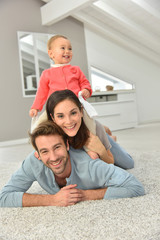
(57, 147)
(44, 152)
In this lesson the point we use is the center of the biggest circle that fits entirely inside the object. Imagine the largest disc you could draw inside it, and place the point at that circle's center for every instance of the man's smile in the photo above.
(56, 163)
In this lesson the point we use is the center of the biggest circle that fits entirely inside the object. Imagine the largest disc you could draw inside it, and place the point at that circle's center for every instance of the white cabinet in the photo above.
(116, 109)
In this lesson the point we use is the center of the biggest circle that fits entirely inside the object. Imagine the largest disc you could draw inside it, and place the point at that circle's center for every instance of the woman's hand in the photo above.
(94, 144)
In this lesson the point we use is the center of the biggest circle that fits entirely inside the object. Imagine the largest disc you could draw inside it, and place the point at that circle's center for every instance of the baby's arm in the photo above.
(84, 83)
(41, 95)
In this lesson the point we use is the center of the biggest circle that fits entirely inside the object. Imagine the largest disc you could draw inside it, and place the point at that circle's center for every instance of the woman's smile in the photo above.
(70, 127)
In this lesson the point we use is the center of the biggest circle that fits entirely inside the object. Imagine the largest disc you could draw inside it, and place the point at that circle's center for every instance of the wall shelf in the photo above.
(116, 109)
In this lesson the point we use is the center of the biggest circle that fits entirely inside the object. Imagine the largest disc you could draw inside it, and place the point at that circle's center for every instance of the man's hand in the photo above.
(68, 196)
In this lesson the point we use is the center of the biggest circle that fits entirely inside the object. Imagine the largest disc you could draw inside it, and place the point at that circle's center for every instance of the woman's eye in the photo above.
(60, 116)
(74, 113)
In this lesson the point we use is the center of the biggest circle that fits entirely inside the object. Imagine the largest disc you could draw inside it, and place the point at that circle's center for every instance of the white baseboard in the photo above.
(14, 142)
(148, 123)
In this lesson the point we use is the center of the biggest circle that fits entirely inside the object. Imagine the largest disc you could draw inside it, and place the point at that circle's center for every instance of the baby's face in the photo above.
(61, 51)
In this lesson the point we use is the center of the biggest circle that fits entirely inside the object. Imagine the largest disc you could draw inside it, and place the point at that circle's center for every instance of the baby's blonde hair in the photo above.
(52, 39)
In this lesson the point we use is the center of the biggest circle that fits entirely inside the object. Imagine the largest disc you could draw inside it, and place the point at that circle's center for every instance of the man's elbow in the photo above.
(10, 200)
(2, 200)
(130, 164)
(139, 190)
(135, 189)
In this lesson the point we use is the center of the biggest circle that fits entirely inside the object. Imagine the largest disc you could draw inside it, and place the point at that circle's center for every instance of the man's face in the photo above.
(53, 153)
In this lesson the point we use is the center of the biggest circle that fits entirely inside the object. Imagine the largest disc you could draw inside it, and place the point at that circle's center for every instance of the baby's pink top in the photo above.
(59, 78)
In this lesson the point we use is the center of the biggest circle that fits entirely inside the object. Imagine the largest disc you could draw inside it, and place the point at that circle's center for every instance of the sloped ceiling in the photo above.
(134, 24)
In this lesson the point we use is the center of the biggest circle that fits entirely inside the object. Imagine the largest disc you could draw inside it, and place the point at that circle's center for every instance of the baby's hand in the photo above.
(85, 93)
(33, 113)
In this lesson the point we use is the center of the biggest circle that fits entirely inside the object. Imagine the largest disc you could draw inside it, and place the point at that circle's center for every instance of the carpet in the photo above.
(120, 219)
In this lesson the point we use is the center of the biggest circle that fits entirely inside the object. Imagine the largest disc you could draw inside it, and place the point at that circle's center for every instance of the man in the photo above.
(67, 175)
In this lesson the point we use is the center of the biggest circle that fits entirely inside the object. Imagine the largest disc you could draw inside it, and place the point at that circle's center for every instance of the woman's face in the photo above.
(68, 116)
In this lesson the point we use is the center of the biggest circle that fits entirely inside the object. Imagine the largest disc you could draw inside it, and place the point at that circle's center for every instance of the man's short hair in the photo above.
(46, 128)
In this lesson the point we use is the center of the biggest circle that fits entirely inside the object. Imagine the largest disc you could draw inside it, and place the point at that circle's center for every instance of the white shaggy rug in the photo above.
(122, 219)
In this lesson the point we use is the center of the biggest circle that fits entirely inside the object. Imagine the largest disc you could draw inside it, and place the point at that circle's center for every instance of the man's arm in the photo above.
(93, 194)
(119, 183)
(11, 194)
(67, 196)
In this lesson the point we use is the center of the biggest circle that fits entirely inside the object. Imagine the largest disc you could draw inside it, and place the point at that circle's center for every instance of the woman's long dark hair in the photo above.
(82, 135)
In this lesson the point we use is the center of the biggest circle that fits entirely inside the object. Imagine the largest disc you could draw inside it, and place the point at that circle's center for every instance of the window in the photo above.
(101, 79)
(33, 59)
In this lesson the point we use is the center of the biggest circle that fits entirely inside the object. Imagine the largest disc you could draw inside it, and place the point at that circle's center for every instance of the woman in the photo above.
(65, 109)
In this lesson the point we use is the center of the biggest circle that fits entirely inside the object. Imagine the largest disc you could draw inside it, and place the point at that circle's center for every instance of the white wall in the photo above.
(120, 62)
(22, 15)
(25, 15)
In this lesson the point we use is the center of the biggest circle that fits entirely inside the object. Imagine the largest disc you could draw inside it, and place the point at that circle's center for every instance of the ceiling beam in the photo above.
(148, 8)
(46, 1)
(55, 11)
(148, 39)
(119, 38)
